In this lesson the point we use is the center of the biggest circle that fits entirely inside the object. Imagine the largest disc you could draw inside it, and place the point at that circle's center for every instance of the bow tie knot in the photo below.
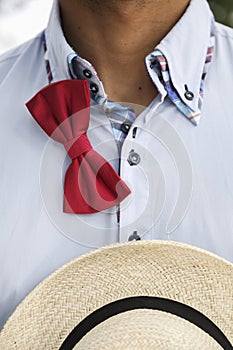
(77, 147)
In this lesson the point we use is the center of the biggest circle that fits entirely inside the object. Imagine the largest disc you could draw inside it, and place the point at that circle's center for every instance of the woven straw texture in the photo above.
(150, 268)
(146, 329)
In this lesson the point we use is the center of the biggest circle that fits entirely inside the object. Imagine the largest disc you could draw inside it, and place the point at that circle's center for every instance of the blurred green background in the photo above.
(223, 11)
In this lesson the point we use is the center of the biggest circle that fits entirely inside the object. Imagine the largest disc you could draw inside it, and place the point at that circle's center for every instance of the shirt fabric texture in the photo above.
(171, 164)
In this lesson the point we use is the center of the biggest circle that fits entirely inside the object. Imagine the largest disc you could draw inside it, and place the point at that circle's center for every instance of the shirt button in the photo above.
(134, 237)
(134, 158)
(94, 88)
(87, 73)
(189, 95)
(125, 127)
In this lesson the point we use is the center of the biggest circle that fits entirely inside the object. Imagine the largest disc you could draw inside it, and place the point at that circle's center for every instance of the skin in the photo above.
(115, 36)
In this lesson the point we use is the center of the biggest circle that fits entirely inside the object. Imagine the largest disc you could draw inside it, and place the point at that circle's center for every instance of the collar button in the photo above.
(125, 127)
(87, 73)
(189, 95)
(94, 88)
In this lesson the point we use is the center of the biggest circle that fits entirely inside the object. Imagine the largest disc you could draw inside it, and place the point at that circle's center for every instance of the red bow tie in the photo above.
(91, 185)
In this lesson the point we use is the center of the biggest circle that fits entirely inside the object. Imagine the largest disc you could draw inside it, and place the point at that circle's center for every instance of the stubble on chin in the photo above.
(113, 5)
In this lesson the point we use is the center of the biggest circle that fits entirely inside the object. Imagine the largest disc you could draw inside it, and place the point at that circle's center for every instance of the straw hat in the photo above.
(134, 296)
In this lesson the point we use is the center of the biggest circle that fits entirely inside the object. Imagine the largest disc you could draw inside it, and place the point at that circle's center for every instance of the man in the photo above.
(161, 103)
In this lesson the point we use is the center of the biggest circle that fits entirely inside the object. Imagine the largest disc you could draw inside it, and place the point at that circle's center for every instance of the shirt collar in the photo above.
(58, 49)
(185, 48)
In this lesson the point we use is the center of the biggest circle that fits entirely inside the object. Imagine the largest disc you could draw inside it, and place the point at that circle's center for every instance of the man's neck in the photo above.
(116, 35)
